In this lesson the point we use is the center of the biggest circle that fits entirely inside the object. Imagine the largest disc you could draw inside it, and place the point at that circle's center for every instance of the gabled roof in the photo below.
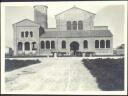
(77, 34)
(76, 8)
(26, 22)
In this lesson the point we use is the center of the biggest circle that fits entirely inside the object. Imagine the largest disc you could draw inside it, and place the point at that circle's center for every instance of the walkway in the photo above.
(54, 75)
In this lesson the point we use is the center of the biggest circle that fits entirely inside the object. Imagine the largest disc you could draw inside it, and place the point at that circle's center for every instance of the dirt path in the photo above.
(54, 75)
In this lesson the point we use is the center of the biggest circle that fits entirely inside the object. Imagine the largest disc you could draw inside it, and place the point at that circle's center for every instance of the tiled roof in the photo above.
(26, 22)
(76, 34)
(76, 8)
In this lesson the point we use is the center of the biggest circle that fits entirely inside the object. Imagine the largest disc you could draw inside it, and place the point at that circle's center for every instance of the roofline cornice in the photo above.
(73, 7)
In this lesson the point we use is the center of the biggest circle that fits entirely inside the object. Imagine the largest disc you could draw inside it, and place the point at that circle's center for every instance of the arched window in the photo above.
(20, 45)
(33, 45)
(80, 25)
(96, 43)
(102, 44)
(27, 46)
(63, 44)
(31, 34)
(47, 44)
(26, 34)
(42, 45)
(52, 45)
(22, 34)
(68, 25)
(85, 44)
(107, 43)
(74, 25)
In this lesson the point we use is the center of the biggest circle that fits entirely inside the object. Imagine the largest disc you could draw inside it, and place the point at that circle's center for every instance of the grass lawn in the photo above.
(15, 64)
(109, 73)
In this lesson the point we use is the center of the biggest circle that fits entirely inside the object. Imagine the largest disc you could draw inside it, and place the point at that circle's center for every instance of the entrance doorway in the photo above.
(74, 47)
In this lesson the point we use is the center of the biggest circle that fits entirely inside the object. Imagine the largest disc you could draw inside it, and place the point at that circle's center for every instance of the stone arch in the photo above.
(33, 45)
(52, 44)
(74, 25)
(63, 44)
(102, 44)
(20, 45)
(31, 33)
(96, 43)
(42, 45)
(26, 34)
(85, 44)
(22, 34)
(107, 43)
(68, 25)
(74, 46)
(27, 46)
(47, 44)
(80, 25)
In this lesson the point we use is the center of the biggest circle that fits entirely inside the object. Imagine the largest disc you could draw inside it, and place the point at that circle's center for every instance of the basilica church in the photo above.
(74, 35)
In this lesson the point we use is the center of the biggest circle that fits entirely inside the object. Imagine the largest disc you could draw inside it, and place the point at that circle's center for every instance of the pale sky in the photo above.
(106, 15)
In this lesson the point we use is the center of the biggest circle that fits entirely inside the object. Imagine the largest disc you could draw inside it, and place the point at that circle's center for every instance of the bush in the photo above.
(14, 64)
(109, 73)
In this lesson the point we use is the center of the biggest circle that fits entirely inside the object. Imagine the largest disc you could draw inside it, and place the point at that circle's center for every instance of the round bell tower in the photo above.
(40, 15)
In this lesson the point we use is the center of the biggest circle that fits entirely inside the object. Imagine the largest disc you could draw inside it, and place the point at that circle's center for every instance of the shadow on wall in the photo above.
(41, 31)
(109, 73)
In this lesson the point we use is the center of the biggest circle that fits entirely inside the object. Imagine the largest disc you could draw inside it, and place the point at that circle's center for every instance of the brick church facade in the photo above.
(74, 35)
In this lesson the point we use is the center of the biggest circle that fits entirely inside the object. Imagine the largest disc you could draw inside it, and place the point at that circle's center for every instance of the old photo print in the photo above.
(64, 47)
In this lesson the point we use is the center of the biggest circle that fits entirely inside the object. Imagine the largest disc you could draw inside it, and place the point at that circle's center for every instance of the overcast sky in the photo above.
(106, 15)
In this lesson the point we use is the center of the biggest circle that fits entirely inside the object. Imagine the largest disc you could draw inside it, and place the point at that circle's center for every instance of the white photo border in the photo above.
(3, 26)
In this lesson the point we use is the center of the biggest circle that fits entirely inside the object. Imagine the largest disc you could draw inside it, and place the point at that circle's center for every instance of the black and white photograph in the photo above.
(67, 47)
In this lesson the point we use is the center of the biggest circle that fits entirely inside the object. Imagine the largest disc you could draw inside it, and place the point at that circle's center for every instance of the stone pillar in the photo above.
(104, 43)
(30, 46)
(83, 54)
(23, 48)
(55, 55)
(90, 54)
(99, 43)
(37, 46)
(15, 48)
